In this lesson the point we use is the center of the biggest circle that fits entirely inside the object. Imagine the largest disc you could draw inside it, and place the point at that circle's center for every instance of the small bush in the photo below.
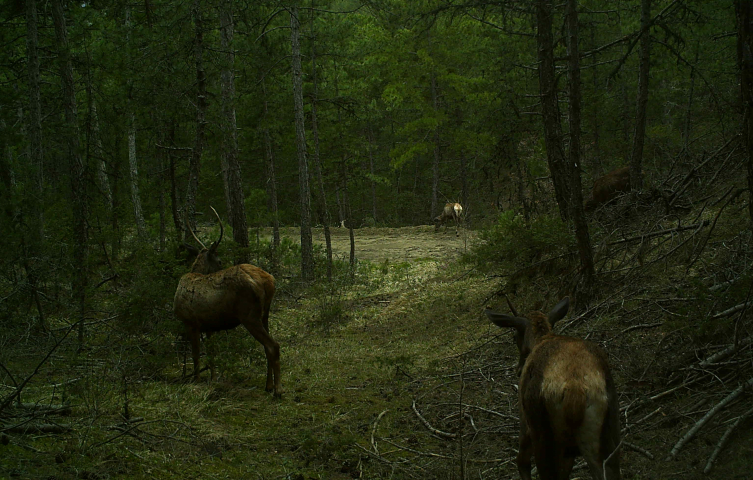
(514, 242)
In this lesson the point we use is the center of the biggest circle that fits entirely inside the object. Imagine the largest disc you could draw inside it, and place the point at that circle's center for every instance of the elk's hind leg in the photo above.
(255, 326)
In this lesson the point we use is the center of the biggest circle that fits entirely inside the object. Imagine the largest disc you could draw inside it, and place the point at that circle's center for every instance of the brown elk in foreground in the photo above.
(210, 299)
(568, 402)
(452, 211)
(608, 186)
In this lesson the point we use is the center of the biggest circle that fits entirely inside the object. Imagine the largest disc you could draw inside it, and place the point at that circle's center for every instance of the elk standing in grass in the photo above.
(608, 186)
(452, 211)
(210, 299)
(568, 402)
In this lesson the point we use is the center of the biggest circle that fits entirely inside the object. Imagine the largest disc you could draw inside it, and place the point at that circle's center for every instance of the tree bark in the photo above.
(77, 168)
(744, 15)
(435, 163)
(133, 169)
(307, 248)
(576, 201)
(323, 210)
(230, 166)
(636, 159)
(194, 168)
(550, 108)
(99, 154)
(371, 170)
(36, 154)
(271, 180)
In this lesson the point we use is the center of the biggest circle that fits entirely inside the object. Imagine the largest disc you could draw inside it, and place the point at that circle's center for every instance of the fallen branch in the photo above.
(726, 352)
(730, 311)
(660, 232)
(700, 423)
(642, 326)
(428, 425)
(723, 440)
(373, 432)
(27, 428)
(638, 449)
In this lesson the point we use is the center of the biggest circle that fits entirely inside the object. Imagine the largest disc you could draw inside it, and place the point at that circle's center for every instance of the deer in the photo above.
(608, 187)
(452, 211)
(567, 399)
(210, 299)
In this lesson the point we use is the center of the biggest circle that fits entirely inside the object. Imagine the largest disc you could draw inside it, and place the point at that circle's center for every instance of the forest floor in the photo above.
(395, 374)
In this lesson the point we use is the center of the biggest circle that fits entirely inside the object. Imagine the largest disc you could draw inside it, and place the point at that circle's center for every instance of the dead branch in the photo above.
(638, 449)
(373, 431)
(429, 427)
(713, 225)
(27, 428)
(700, 423)
(726, 352)
(730, 311)
(723, 440)
(642, 326)
(659, 233)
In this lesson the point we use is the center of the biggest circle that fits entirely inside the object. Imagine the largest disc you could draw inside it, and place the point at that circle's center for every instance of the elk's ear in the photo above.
(559, 311)
(507, 321)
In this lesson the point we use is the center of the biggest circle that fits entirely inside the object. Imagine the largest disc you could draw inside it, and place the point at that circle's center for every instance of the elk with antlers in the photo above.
(211, 299)
(451, 211)
(568, 401)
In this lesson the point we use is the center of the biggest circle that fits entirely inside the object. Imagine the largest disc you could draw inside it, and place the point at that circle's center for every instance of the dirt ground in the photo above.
(395, 244)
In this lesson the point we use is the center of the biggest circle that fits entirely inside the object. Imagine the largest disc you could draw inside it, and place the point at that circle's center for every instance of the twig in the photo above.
(638, 449)
(428, 425)
(27, 428)
(373, 431)
(730, 311)
(660, 232)
(723, 440)
(725, 353)
(644, 325)
(713, 225)
(700, 423)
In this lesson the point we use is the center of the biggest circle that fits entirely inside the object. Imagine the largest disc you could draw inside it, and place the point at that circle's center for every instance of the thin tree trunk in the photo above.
(550, 108)
(133, 170)
(371, 170)
(307, 248)
(576, 202)
(174, 201)
(744, 15)
(99, 157)
(194, 168)
(271, 180)
(231, 167)
(323, 210)
(636, 159)
(435, 163)
(77, 168)
(36, 155)
(688, 117)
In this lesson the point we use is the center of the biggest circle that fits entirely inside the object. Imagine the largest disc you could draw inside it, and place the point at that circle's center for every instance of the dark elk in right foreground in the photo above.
(451, 212)
(568, 402)
(608, 187)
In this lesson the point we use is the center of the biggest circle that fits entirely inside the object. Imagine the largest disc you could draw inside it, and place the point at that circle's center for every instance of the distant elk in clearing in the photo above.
(567, 398)
(451, 212)
(211, 299)
(608, 187)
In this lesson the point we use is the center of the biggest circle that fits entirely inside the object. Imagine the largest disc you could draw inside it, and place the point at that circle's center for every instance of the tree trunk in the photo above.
(174, 201)
(371, 170)
(550, 108)
(36, 155)
(194, 168)
(323, 210)
(435, 163)
(133, 170)
(744, 15)
(636, 159)
(307, 248)
(576, 201)
(77, 168)
(99, 153)
(271, 180)
(231, 168)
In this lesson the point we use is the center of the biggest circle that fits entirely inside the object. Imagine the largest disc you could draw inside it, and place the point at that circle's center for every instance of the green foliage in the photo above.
(513, 242)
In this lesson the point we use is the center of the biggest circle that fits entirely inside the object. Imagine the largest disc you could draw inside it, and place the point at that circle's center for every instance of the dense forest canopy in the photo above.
(122, 123)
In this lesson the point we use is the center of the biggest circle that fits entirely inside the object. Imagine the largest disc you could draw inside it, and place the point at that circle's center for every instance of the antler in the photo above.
(188, 224)
(222, 230)
(509, 304)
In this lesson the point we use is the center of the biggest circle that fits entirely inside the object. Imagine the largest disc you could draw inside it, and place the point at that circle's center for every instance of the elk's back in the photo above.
(563, 389)
(218, 301)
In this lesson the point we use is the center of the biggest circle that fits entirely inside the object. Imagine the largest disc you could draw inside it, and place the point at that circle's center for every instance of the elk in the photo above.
(608, 186)
(211, 299)
(567, 398)
(452, 211)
